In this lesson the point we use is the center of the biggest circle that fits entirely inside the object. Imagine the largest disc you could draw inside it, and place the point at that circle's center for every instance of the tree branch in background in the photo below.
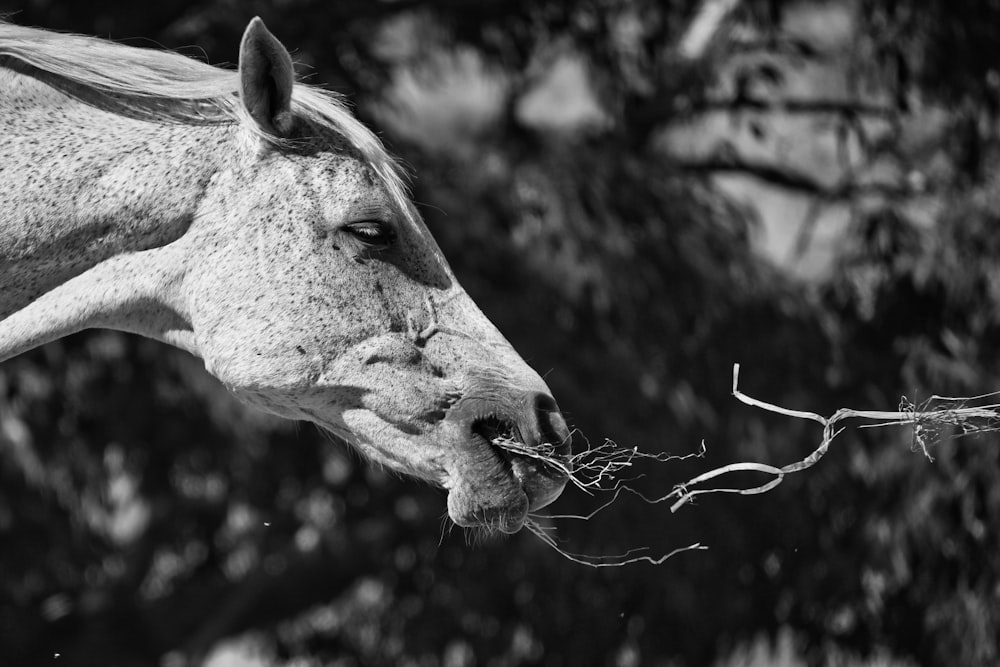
(722, 162)
(842, 107)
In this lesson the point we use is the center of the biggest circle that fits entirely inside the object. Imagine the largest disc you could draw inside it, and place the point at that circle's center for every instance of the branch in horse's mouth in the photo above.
(491, 429)
(507, 445)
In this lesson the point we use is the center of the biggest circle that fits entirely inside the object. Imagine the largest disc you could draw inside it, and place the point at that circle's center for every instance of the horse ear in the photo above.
(266, 79)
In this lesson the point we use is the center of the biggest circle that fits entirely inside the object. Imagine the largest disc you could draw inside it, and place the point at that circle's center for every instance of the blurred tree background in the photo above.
(639, 193)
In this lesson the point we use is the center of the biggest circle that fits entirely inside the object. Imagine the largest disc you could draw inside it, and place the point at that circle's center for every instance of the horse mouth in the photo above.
(506, 484)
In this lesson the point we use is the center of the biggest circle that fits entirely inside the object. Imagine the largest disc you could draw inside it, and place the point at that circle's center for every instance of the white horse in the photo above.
(252, 221)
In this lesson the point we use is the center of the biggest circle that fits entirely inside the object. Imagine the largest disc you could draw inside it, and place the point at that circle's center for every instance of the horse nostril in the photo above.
(545, 403)
(551, 425)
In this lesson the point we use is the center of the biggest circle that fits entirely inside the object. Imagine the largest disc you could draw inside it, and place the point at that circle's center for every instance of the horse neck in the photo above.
(82, 184)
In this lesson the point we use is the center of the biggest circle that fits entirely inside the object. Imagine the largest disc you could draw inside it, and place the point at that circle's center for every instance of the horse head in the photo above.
(314, 291)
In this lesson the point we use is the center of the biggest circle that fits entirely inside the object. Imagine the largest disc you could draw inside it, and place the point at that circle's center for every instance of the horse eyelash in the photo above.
(364, 231)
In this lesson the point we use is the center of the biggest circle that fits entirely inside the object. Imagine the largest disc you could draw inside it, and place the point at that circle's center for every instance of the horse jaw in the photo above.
(406, 405)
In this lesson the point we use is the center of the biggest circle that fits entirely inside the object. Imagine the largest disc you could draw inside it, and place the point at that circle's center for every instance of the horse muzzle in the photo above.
(513, 458)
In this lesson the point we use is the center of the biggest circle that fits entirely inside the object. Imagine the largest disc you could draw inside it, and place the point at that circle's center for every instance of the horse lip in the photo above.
(488, 493)
(540, 481)
(488, 486)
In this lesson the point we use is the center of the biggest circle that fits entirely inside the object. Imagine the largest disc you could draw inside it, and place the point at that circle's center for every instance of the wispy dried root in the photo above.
(599, 469)
(595, 469)
(617, 560)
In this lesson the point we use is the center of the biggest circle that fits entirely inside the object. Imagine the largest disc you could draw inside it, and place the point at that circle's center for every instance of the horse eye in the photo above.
(372, 233)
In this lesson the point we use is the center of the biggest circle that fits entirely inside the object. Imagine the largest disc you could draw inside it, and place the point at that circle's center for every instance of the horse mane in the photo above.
(163, 86)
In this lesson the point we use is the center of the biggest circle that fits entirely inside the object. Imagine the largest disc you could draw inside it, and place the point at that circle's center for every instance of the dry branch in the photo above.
(927, 420)
(599, 469)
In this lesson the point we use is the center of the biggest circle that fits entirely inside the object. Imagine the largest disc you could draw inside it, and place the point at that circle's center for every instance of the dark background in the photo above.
(616, 204)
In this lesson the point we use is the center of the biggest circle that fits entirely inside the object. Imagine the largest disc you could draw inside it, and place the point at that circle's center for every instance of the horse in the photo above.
(253, 221)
